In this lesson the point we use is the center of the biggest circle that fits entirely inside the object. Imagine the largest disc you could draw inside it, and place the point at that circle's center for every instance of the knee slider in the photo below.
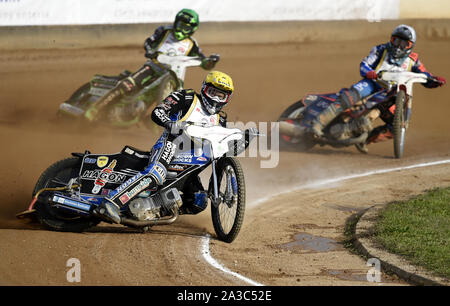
(348, 97)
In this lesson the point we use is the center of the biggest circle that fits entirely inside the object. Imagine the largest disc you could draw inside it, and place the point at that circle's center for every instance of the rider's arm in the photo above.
(418, 67)
(208, 63)
(153, 41)
(195, 50)
(370, 62)
(162, 113)
(223, 118)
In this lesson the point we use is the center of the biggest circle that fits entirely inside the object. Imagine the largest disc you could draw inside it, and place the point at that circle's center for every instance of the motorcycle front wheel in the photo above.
(228, 215)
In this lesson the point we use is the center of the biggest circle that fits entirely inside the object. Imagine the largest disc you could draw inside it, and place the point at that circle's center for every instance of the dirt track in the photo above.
(269, 248)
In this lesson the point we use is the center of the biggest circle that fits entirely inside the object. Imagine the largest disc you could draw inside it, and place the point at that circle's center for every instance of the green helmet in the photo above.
(186, 23)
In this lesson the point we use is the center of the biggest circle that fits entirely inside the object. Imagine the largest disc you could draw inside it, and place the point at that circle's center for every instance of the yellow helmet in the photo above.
(217, 90)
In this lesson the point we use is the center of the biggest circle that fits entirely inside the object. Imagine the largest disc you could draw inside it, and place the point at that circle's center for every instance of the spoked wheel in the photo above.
(58, 175)
(399, 125)
(227, 217)
(168, 85)
(293, 113)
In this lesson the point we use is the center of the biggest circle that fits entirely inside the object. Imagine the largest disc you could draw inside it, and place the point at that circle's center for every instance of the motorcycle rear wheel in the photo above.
(399, 126)
(167, 86)
(228, 216)
(295, 112)
(53, 218)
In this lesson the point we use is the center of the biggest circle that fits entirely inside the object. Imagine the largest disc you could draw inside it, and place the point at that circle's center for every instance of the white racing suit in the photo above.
(162, 41)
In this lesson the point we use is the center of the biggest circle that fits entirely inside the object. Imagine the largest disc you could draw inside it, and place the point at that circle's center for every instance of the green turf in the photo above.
(419, 229)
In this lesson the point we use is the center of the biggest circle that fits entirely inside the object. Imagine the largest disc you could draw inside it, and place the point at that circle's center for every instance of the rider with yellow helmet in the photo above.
(175, 110)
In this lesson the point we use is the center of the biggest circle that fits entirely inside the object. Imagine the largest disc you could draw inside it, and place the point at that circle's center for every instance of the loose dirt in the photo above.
(288, 238)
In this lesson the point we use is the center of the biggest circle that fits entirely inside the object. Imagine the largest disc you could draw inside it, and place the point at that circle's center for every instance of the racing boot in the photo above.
(356, 126)
(108, 211)
(362, 147)
(347, 98)
(323, 119)
(380, 133)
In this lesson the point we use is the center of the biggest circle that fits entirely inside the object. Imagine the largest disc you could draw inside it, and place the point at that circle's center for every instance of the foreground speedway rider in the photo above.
(171, 40)
(179, 107)
(396, 55)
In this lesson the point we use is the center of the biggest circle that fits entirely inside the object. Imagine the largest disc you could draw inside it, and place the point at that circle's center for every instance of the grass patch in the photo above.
(419, 230)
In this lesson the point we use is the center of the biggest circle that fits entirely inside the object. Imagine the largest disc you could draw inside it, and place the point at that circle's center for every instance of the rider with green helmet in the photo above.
(186, 23)
(175, 40)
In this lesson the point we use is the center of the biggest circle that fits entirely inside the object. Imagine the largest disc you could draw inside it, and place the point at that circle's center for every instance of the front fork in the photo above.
(228, 196)
(408, 104)
(215, 199)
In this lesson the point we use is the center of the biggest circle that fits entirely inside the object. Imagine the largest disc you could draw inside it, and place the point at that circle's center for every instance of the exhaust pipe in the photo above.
(73, 205)
(291, 129)
(137, 223)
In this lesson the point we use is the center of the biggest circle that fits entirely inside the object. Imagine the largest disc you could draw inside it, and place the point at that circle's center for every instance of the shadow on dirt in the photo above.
(334, 152)
(181, 228)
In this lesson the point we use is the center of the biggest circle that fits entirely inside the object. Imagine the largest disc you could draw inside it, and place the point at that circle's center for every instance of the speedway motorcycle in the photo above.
(396, 96)
(169, 74)
(67, 192)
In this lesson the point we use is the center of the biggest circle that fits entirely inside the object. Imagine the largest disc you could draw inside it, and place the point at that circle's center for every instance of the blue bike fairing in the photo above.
(191, 158)
(93, 199)
(315, 105)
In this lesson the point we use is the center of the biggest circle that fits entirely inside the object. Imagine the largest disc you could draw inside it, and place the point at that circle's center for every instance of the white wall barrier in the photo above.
(84, 12)
(105, 23)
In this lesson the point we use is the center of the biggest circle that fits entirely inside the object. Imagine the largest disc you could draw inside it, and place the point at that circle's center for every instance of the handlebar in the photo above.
(402, 77)
(251, 131)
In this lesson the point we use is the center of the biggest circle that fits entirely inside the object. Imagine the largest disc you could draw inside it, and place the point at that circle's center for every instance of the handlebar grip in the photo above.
(214, 57)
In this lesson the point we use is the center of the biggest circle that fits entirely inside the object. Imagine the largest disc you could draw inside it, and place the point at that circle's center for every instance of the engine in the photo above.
(343, 131)
(156, 206)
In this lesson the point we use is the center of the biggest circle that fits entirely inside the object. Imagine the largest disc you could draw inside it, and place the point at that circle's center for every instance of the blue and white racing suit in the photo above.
(380, 59)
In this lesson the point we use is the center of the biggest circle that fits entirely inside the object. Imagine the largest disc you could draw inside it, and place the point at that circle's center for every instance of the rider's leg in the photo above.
(381, 133)
(371, 116)
(125, 87)
(154, 174)
(347, 98)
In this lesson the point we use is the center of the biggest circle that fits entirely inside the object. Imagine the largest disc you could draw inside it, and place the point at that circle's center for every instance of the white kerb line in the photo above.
(205, 240)
(207, 255)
